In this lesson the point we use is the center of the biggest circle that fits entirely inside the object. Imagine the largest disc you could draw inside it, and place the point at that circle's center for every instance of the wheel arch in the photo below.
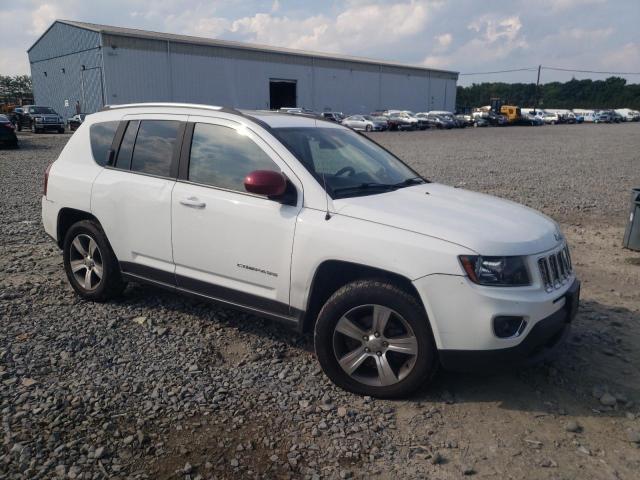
(330, 275)
(67, 217)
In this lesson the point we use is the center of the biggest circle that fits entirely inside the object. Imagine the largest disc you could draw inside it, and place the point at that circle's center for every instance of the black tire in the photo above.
(111, 284)
(367, 128)
(375, 292)
(61, 130)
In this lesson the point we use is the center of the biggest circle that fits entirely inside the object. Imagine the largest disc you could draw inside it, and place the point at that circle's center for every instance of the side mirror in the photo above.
(266, 182)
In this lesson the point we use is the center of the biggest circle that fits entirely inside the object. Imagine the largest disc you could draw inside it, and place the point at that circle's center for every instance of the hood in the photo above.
(482, 223)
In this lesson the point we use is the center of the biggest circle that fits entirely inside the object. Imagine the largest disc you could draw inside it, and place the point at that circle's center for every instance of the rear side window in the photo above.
(154, 147)
(223, 157)
(101, 135)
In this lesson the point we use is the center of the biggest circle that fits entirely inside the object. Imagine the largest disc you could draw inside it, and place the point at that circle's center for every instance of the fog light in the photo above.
(508, 326)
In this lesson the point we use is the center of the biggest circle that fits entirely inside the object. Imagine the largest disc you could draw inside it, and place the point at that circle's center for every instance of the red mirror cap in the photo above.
(265, 182)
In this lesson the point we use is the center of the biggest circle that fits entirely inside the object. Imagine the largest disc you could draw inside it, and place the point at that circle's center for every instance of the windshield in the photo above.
(349, 163)
(42, 110)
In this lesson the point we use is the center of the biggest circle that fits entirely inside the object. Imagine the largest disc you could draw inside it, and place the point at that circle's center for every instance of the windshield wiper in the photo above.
(365, 186)
(379, 186)
(410, 181)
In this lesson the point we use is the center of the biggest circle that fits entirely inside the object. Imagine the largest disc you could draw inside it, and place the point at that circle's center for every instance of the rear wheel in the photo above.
(90, 264)
(368, 128)
(373, 338)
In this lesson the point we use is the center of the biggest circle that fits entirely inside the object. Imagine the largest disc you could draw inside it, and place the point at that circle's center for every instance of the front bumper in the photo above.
(541, 342)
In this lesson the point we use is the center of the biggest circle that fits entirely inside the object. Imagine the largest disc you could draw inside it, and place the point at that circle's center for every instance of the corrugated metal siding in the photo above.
(57, 86)
(62, 39)
(156, 70)
(61, 52)
(145, 69)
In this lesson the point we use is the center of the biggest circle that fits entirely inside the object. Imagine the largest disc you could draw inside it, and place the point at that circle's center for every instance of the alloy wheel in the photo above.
(86, 263)
(375, 345)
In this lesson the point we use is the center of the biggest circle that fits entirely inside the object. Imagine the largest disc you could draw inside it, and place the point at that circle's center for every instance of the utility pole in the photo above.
(535, 108)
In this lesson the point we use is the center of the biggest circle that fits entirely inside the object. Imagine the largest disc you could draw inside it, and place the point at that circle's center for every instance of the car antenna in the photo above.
(327, 215)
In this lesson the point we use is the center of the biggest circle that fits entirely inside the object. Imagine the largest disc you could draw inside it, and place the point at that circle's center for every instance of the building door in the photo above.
(91, 90)
(282, 93)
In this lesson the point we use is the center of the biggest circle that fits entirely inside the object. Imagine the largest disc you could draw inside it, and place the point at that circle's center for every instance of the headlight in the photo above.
(496, 271)
(38, 119)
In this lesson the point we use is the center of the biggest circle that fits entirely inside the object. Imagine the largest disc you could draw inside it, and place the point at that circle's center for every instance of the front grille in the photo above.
(555, 269)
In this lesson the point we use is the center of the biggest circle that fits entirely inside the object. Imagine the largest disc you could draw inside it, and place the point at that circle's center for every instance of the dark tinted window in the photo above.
(223, 157)
(154, 147)
(126, 146)
(101, 136)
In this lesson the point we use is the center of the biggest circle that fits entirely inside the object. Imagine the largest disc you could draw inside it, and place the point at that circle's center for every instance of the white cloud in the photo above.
(495, 38)
(444, 40)
(42, 17)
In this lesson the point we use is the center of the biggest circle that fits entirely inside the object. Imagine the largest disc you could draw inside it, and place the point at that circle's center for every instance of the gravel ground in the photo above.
(159, 386)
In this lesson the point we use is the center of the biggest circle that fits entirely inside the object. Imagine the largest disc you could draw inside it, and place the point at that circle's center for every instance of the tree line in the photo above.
(614, 92)
(14, 89)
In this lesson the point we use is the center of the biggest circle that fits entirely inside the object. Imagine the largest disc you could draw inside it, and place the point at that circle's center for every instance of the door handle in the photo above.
(192, 202)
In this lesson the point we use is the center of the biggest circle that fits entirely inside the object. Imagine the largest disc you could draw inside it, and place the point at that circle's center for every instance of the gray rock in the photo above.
(634, 436)
(572, 426)
(608, 400)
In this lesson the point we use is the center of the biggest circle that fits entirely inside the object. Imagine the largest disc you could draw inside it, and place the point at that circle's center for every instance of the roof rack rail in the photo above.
(168, 104)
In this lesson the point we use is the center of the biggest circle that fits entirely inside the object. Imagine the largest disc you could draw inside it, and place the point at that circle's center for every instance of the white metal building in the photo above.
(99, 64)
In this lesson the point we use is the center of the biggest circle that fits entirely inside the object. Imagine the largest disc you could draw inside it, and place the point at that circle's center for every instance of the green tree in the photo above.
(614, 92)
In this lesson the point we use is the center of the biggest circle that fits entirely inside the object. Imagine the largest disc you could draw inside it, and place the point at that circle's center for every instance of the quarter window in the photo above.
(101, 136)
(223, 157)
(154, 147)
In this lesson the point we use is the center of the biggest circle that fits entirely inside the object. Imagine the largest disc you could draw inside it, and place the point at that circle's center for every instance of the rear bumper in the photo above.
(542, 341)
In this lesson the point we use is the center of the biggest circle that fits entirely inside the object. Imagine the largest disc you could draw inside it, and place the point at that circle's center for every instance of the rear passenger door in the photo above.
(131, 197)
(229, 244)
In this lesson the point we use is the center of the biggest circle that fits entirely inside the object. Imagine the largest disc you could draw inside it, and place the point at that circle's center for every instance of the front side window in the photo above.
(154, 147)
(222, 157)
(349, 164)
(101, 136)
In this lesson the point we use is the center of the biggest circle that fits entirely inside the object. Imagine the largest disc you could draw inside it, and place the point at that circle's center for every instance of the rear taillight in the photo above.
(9, 126)
(46, 179)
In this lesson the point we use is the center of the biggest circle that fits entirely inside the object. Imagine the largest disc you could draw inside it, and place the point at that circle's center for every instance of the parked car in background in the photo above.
(589, 117)
(298, 111)
(438, 121)
(615, 116)
(465, 119)
(398, 120)
(333, 116)
(480, 122)
(533, 120)
(8, 136)
(602, 117)
(314, 225)
(421, 123)
(365, 123)
(75, 121)
(628, 115)
(38, 118)
(551, 118)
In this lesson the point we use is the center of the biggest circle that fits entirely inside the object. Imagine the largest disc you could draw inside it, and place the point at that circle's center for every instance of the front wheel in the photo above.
(90, 264)
(367, 128)
(372, 338)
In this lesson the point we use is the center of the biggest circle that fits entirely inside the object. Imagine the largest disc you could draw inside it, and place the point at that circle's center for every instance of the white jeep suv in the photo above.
(305, 221)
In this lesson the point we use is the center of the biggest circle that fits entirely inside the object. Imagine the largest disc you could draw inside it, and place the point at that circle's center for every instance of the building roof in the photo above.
(133, 32)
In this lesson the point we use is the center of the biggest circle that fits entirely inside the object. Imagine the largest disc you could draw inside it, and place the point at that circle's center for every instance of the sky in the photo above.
(467, 36)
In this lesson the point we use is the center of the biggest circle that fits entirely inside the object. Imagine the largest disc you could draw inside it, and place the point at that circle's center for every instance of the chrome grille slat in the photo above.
(555, 268)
